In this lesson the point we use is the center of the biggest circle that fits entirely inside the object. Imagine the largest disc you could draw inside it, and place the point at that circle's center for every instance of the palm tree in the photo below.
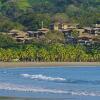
(43, 55)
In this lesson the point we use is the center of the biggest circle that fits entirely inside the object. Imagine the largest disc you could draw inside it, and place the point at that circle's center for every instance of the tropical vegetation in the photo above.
(28, 14)
(49, 53)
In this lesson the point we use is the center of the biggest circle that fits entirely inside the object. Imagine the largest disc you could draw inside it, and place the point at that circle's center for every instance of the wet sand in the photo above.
(47, 64)
(18, 98)
(13, 98)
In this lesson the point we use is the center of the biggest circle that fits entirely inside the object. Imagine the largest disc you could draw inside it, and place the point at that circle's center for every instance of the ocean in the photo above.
(50, 83)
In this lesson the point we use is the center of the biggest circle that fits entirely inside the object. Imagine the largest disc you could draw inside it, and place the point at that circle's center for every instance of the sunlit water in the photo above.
(56, 83)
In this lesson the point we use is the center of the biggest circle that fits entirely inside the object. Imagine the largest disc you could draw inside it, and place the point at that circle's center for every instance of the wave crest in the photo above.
(43, 77)
(60, 80)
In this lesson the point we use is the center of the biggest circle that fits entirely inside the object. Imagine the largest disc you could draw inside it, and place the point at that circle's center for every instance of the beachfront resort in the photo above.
(73, 34)
(61, 42)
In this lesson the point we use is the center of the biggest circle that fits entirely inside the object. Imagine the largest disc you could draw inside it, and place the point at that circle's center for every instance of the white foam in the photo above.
(21, 88)
(13, 87)
(43, 77)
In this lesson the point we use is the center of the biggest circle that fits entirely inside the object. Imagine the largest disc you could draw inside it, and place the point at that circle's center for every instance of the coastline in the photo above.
(48, 64)
(18, 98)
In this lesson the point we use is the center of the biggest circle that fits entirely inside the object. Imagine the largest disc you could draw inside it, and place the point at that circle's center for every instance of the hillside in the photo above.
(55, 4)
(29, 13)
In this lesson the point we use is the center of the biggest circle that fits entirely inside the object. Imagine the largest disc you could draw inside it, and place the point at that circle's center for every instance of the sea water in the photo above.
(51, 83)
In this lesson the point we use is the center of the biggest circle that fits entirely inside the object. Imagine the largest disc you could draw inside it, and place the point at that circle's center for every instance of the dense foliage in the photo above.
(30, 13)
(6, 41)
(55, 52)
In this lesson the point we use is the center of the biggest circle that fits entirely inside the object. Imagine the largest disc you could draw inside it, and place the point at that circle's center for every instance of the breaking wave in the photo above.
(21, 88)
(60, 80)
(43, 77)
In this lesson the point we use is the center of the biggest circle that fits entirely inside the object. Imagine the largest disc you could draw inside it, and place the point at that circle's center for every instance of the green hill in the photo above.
(24, 12)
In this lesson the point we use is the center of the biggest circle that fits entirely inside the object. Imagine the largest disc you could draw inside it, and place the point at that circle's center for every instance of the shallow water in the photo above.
(63, 83)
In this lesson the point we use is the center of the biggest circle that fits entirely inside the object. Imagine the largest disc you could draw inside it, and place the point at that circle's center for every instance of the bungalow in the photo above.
(93, 31)
(40, 33)
(85, 39)
(97, 31)
(62, 26)
(19, 36)
(56, 26)
(23, 39)
(16, 33)
(89, 30)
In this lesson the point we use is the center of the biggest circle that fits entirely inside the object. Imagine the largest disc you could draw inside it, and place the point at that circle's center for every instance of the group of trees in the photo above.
(7, 24)
(54, 52)
(28, 14)
(6, 41)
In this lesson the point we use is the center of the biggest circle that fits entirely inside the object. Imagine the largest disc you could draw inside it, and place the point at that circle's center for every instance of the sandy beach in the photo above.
(45, 64)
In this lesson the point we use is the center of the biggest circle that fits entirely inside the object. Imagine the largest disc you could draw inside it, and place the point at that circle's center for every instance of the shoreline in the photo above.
(18, 98)
(48, 64)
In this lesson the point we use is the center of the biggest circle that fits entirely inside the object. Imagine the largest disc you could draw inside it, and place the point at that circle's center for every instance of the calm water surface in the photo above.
(62, 83)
